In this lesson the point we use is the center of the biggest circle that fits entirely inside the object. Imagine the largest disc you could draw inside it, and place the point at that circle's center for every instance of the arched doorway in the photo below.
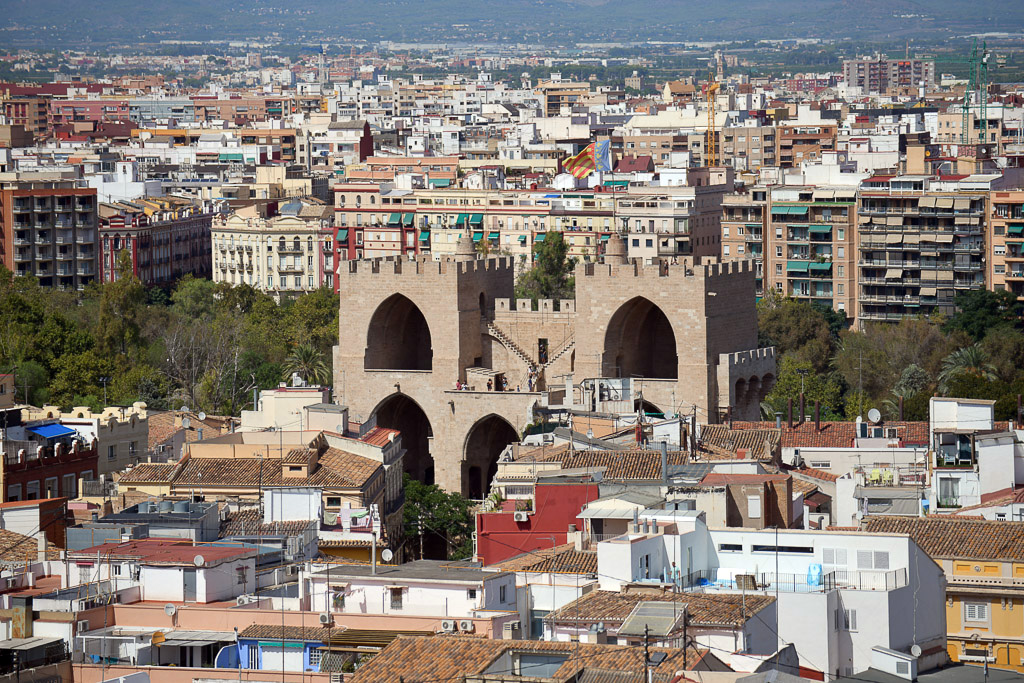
(640, 342)
(398, 337)
(484, 443)
(400, 412)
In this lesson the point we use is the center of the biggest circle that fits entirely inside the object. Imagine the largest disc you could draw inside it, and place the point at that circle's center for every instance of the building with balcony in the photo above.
(121, 433)
(837, 593)
(982, 561)
(283, 255)
(48, 229)
(1005, 255)
(44, 459)
(810, 245)
(744, 222)
(165, 238)
(922, 239)
(879, 76)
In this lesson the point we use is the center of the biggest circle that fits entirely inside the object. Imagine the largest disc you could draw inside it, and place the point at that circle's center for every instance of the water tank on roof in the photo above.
(181, 506)
(145, 507)
(166, 506)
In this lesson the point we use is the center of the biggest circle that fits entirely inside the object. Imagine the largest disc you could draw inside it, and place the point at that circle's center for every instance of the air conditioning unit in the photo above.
(511, 630)
(466, 626)
(82, 626)
(521, 516)
(242, 600)
(337, 678)
(325, 618)
(448, 625)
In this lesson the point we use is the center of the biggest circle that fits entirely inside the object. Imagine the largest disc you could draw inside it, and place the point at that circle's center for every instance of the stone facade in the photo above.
(410, 330)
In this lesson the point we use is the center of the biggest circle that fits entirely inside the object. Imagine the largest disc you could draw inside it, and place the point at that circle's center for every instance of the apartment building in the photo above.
(878, 75)
(120, 434)
(810, 245)
(748, 148)
(48, 229)
(921, 241)
(30, 112)
(282, 255)
(804, 143)
(558, 95)
(165, 238)
(1005, 262)
(982, 561)
(744, 217)
(338, 145)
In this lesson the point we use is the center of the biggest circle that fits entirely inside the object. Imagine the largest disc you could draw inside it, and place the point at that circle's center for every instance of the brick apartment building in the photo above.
(48, 229)
(165, 237)
(877, 75)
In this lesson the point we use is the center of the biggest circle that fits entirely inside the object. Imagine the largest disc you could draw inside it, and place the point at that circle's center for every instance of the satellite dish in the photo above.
(915, 650)
(874, 415)
(170, 609)
(186, 423)
(339, 429)
(183, 409)
(199, 560)
(202, 416)
(387, 555)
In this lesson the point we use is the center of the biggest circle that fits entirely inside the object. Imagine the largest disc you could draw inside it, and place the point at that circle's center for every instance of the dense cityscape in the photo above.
(555, 341)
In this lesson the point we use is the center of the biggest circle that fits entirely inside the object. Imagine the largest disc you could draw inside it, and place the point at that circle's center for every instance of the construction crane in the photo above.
(976, 90)
(712, 142)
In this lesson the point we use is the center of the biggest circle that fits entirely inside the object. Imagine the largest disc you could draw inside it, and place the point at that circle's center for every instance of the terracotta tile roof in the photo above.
(705, 609)
(835, 434)
(571, 562)
(442, 658)
(336, 468)
(520, 562)
(16, 549)
(164, 551)
(948, 537)
(247, 523)
(724, 478)
(542, 453)
(299, 456)
(162, 426)
(352, 542)
(633, 465)
(316, 633)
(816, 474)
(803, 487)
(149, 473)
(760, 444)
(379, 436)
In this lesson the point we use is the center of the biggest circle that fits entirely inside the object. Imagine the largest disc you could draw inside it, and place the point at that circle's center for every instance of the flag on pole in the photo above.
(596, 156)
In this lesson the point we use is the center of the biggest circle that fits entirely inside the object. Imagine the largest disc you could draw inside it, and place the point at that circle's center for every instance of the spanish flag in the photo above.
(594, 157)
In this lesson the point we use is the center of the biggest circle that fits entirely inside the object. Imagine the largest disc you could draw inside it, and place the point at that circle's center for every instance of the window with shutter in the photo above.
(864, 559)
(881, 559)
(828, 556)
(975, 611)
(841, 557)
(851, 620)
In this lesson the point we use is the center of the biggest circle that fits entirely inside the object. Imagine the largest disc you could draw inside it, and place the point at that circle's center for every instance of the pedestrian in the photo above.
(490, 385)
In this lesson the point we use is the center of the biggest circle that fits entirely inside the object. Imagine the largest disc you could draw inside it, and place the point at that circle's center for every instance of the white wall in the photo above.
(287, 504)
(373, 596)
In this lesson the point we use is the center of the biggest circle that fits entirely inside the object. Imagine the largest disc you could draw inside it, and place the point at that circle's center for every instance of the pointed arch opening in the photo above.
(640, 342)
(484, 444)
(398, 337)
(400, 412)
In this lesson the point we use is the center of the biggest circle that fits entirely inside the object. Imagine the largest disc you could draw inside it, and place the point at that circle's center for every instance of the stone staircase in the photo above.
(498, 334)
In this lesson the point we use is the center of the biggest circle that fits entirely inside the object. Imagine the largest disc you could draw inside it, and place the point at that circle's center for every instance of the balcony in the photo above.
(85, 237)
(731, 580)
(289, 269)
(86, 269)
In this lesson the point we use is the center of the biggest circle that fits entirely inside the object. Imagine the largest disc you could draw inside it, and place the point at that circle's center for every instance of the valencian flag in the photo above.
(597, 156)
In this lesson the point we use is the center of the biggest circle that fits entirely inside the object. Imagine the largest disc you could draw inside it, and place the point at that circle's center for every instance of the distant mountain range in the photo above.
(549, 21)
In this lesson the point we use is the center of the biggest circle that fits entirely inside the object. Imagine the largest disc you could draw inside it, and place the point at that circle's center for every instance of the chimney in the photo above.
(664, 462)
(803, 414)
(789, 422)
(817, 416)
(778, 420)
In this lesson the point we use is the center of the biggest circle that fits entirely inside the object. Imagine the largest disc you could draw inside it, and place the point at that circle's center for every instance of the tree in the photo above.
(445, 515)
(794, 327)
(121, 302)
(970, 361)
(195, 297)
(551, 275)
(980, 310)
(1005, 348)
(817, 387)
(306, 361)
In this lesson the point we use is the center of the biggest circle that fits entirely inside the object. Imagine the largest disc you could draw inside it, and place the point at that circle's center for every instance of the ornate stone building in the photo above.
(411, 330)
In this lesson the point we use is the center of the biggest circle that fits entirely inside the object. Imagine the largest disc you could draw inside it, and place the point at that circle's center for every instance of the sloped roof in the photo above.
(17, 548)
(947, 537)
(705, 609)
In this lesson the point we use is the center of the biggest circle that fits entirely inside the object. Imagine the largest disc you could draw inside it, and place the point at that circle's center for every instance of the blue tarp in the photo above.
(52, 431)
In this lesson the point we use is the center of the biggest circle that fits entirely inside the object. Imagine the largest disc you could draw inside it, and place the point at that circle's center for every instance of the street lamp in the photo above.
(105, 381)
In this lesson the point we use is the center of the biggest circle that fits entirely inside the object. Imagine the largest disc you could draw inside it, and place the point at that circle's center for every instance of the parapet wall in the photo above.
(393, 265)
(528, 306)
(661, 268)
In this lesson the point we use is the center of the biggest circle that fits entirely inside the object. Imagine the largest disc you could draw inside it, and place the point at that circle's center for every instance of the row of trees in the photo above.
(201, 344)
(978, 352)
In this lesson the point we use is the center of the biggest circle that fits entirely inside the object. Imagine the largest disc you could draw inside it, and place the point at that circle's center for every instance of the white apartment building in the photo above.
(838, 594)
(283, 255)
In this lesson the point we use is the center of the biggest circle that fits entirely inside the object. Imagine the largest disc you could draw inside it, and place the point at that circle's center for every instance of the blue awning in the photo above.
(51, 431)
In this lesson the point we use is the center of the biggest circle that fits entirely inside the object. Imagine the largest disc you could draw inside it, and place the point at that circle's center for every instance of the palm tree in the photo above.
(308, 362)
(970, 360)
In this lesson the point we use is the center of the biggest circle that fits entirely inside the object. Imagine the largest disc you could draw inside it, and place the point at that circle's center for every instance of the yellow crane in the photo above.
(712, 142)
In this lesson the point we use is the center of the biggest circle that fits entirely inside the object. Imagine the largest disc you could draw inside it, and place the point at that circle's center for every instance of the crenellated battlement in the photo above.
(751, 357)
(662, 268)
(393, 265)
(529, 306)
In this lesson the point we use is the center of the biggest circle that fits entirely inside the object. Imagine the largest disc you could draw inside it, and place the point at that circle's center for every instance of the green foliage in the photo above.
(817, 387)
(962, 367)
(204, 345)
(796, 328)
(551, 275)
(448, 515)
(980, 310)
(308, 363)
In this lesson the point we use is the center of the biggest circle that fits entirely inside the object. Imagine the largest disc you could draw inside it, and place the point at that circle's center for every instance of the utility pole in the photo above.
(419, 527)
(647, 654)
(105, 380)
